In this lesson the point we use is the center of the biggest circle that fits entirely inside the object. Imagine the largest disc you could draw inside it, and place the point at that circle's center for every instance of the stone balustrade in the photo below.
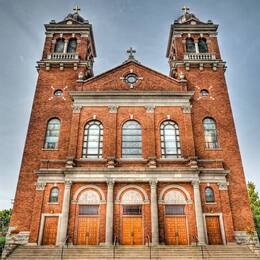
(199, 56)
(63, 56)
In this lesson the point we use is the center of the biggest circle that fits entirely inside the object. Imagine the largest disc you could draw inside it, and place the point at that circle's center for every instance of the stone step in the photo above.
(138, 252)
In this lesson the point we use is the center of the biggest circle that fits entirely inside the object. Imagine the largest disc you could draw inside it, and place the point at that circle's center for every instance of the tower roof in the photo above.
(75, 15)
(187, 16)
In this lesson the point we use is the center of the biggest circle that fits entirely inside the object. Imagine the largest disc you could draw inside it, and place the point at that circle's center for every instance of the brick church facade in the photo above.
(131, 154)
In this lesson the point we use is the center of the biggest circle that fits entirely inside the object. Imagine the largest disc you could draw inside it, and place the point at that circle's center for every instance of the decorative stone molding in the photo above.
(186, 109)
(196, 184)
(150, 109)
(70, 163)
(111, 162)
(110, 182)
(113, 109)
(40, 186)
(151, 162)
(153, 183)
(76, 108)
(223, 186)
(193, 163)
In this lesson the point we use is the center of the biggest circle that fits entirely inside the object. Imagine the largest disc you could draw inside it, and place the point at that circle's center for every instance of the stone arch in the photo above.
(135, 188)
(90, 187)
(176, 195)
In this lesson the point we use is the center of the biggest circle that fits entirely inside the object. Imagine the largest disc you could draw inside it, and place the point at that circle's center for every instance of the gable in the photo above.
(147, 80)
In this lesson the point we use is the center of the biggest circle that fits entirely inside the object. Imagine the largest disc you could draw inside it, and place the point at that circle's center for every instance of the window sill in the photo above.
(48, 149)
(210, 203)
(132, 160)
(213, 149)
(53, 203)
(92, 160)
(181, 159)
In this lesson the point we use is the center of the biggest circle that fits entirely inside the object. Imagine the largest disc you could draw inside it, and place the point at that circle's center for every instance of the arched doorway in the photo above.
(132, 201)
(175, 219)
(88, 217)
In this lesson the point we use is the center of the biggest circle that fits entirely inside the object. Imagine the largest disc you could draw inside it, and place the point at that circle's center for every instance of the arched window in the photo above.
(93, 140)
(72, 45)
(190, 45)
(54, 195)
(209, 195)
(170, 140)
(210, 133)
(59, 46)
(52, 134)
(131, 140)
(203, 47)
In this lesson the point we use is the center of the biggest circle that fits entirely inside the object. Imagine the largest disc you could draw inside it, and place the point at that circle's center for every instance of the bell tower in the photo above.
(193, 45)
(69, 44)
(194, 55)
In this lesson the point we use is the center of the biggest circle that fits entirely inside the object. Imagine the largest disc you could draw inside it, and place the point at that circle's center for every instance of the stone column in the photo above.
(62, 233)
(196, 46)
(65, 46)
(154, 213)
(198, 212)
(109, 212)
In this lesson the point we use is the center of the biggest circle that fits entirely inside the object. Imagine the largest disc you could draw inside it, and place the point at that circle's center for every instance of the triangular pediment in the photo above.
(69, 21)
(147, 80)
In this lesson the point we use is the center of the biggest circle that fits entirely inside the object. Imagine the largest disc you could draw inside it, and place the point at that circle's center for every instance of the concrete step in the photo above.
(234, 252)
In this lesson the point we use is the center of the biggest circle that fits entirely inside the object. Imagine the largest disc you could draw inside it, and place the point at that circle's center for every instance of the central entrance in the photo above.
(88, 225)
(88, 217)
(132, 225)
(132, 218)
(175, 219)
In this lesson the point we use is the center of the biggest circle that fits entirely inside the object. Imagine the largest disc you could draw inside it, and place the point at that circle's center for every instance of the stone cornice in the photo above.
(126, 98)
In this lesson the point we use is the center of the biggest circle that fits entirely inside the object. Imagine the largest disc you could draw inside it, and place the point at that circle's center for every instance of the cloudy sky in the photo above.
(118, 24)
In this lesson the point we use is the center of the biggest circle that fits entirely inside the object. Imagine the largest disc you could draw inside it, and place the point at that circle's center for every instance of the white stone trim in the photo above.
(89, 186)
(127, 187)
(174, 186)
(221, 222)
(121, 98)
(43, 216)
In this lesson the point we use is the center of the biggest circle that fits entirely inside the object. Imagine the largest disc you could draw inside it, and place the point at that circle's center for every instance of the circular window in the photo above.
(58, 93)
(131, 78)
(204, 93)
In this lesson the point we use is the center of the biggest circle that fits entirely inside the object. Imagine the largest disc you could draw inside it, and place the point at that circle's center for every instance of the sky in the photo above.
(117, 25)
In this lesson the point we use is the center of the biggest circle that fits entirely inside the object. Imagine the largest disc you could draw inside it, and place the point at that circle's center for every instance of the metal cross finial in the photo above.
(185, 9)
(131, 52)
(76, 9)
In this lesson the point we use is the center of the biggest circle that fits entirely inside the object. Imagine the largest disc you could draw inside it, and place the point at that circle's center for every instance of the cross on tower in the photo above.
(76, 9)
(185, 9)
(131, 52)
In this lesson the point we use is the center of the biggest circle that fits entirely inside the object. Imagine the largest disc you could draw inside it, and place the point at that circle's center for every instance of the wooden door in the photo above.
(50, 231)
(132, 231)
(213, 230)
(88, 230)
(176, 230)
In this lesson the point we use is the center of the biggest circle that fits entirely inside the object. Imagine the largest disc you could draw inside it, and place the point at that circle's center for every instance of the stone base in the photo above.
(13, 241)
(242, 237)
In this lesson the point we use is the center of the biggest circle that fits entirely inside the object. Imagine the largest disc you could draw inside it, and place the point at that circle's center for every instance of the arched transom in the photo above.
(89, 197)
(132, 197)
(174, 197)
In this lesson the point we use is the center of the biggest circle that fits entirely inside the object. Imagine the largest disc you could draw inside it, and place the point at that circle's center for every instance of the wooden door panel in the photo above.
(88, 231)
(213, 230)
(176, 231)
(50, 231)
(127, 231)
(137, 231)
(132, 231)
